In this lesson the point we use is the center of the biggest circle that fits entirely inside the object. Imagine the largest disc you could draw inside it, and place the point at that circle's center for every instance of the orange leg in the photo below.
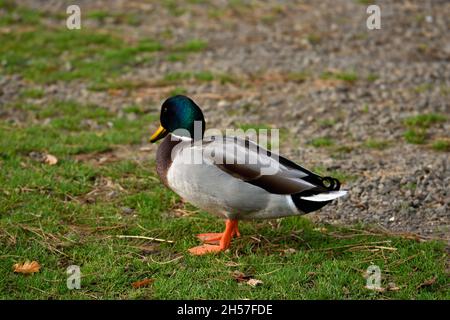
(221, 240)
(214, 238)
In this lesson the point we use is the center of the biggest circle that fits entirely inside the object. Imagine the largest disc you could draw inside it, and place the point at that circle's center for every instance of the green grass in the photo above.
(349, 77)
(425, 120)
(92, 55)
(322, 142)
(372, 77)
(376, 144)
(71, 55)
(415, 136)
(118, 18)
(32, 93)
(72, 212)
(69, 131)
(297, 76)
(441, 145)
(16, 15)
(341, 176)
(314, 38)
(178, 90)
(417, 127)
(175, 57)
(117, 84)
(195, 45)
(330, 122)
(198, 76)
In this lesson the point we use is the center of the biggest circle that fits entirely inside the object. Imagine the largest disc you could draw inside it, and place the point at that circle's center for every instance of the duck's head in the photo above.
(182, 117)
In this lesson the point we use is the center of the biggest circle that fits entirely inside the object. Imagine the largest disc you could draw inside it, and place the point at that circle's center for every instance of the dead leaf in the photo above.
(392, 287)
(254, 282)
(289, 251)
(50, 159)
(44, 158)
(373, 288)
(427, 283)
(240, 277)
(27, 267)
(142, 283)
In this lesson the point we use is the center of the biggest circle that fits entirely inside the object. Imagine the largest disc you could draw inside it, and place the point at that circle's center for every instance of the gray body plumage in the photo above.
(215, 176)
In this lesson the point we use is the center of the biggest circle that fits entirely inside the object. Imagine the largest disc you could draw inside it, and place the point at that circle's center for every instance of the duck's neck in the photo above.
(164, 157)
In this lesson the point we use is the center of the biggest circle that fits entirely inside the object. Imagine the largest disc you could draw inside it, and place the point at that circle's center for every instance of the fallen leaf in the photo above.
(392, 287)
(43, 158)
(254, 282)
(426, 283)
(289, 251)
(27, 267)
(50, 159)
(240, 277)
(142, 283)
(373, 288)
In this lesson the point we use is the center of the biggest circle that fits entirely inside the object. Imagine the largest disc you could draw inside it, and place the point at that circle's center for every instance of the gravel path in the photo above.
(279, 51)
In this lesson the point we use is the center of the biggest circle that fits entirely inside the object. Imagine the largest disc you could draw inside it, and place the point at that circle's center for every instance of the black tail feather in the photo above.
(306, 206)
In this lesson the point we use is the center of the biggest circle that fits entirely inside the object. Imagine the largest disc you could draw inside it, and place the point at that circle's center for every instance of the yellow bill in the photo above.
(159, 134)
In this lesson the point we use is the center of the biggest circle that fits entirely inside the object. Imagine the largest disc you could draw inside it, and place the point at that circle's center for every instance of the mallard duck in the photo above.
(206, 171)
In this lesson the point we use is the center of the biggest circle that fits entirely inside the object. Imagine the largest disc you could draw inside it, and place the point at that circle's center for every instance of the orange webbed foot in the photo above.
(216, 242)
(211, 238)
(205, 249)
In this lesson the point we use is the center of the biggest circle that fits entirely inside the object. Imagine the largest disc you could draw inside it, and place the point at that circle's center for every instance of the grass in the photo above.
(117, 84)
(103, 188)
(415, 136)
(32, 93)
(47, 216)
(314, 38)
(198, 76)
(297, 76)
(195, 45)
(349, 77)
(330, 122)
(322, 142)
(425, 120)
(118, 18)
(73, 212)
(71, 55)
(79, 54)
(341, 176)
(178, 90)
(441, 145)
(14, 14)
(376, 144)
(417, 127)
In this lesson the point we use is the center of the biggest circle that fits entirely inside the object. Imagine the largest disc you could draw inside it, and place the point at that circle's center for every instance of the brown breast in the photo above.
(163, 157)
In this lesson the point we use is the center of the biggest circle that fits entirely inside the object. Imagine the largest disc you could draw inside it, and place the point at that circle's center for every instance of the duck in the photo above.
(231, 177)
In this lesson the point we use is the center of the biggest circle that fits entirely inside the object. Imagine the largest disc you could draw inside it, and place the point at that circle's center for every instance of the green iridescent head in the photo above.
(181, 116)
